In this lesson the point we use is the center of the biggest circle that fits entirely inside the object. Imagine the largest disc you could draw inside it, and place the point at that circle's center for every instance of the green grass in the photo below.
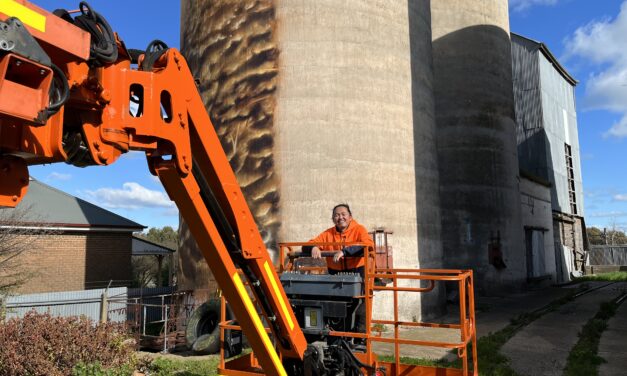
(417, 361)
(583, 359)
(95, 369)
(491, 361)
(610, 277)
(185, 367)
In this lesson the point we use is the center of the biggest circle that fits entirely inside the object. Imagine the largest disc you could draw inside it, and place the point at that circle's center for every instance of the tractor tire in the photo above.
(207, 343)
(202, 327)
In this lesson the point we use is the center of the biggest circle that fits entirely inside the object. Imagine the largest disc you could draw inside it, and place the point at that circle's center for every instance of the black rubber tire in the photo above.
(207, 343)
(204, 323)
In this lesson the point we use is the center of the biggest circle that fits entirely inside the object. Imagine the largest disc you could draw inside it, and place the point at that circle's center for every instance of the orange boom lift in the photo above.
(70, 91)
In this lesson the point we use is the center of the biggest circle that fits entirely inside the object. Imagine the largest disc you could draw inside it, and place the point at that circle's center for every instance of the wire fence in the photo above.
(156, 317)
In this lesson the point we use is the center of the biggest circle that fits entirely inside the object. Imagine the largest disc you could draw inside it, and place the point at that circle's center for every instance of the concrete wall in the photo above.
(537, 215)
(344, 94)
(476, 142)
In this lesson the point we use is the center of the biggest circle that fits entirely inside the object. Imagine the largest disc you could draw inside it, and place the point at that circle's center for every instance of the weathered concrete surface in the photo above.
(476, 141)
(613, 345)
(321, 102)
(355, 119)
(542, 347)
(493, 314)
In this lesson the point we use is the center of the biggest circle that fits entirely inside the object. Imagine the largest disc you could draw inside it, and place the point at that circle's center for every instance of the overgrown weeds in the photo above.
(165, 367)
(40, 344)
(583, 359)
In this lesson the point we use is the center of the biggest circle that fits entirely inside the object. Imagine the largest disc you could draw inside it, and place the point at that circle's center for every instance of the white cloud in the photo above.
(131, 196)
(172, 212)
(618, 129)
(620, 197)
(520, 5)
(58, 176)
(612, 214)
(603, 44)
(134, 154)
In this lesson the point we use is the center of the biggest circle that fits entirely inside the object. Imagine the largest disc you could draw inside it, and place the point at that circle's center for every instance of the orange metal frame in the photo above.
(182, 149)
(467, 345)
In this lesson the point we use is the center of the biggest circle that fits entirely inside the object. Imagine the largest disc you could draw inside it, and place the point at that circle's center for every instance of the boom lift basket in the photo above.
(466, 346)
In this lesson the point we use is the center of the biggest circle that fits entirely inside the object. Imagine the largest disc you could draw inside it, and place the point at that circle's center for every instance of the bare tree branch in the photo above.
(19, 234)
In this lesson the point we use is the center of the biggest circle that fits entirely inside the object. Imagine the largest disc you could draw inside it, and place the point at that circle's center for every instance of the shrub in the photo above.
(40, 344)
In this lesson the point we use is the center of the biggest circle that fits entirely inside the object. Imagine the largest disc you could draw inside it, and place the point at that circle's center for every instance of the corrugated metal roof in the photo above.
(549, 55)
(143, 247)
(45, 205)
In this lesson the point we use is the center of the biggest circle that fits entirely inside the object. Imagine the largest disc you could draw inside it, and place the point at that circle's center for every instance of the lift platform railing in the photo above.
(397, 280)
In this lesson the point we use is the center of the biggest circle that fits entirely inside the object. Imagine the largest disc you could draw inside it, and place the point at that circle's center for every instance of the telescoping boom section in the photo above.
(70, 91)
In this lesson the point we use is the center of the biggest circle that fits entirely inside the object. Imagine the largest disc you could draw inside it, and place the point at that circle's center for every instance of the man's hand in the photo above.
(315, 252)
(338, 256)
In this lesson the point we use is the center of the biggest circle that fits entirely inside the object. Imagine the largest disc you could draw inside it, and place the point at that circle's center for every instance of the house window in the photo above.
(570, 174)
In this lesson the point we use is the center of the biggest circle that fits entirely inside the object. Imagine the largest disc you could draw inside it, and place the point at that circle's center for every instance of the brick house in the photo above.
(82, 246)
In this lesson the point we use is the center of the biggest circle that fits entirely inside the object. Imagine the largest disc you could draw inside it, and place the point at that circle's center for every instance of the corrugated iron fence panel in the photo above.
(70, 303)
(608, 255)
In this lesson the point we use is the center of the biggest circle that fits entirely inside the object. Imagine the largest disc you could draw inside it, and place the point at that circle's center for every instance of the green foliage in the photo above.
(40, 344)
(165, 367)
(146, 271)
(583, 359)
(612, 236)
(166, 236)
(612, 276)
(96, 369)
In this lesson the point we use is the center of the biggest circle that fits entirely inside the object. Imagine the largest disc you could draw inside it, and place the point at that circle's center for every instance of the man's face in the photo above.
(341, 218)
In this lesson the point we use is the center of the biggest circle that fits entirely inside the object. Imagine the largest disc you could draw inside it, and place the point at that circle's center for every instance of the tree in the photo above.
(595, 236)
(146, 271)
(166, 236)
(19, 234)
(611, 236)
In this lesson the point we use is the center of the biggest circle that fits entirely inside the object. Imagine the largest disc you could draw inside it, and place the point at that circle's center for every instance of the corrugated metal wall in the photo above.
(560, 123)
(530, 134)
(121, 303)
(546, 119)
(70, 303)
(608, 255)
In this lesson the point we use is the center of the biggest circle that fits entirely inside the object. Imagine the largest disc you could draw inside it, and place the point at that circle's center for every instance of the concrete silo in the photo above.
(481, 217)
(322, 102)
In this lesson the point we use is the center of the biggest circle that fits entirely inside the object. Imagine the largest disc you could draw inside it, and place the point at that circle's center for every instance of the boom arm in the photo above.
(80, 108)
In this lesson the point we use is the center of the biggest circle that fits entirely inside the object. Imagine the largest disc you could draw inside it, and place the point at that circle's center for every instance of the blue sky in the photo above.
(588, 37)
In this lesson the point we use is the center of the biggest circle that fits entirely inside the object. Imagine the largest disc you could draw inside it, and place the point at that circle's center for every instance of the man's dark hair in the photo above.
(341, 206)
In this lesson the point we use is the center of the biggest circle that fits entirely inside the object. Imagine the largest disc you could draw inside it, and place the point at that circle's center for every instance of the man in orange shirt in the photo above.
(346, 230)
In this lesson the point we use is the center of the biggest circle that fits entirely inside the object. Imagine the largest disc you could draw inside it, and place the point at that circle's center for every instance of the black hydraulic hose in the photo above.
(265, 304)
(103, 47)
(232, 243)
(155, 49)
(227, 233)
(354, 358)
(63, 91)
